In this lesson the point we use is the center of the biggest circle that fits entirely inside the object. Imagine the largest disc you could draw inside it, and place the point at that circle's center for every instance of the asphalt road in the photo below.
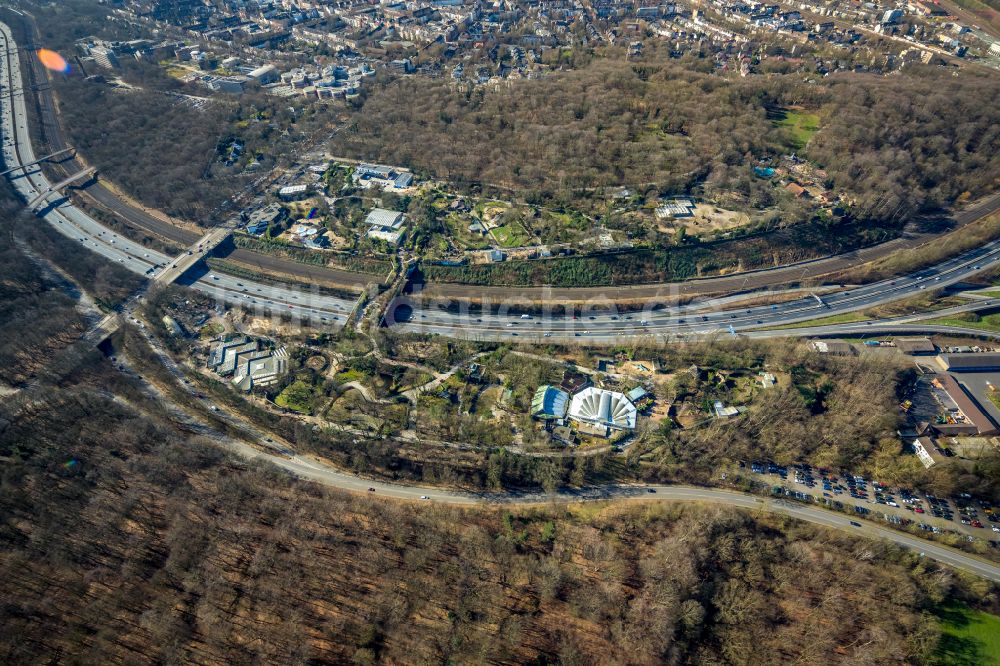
(602, 323)
(316, 471)
(356, 282)
(322, 310)
(55, 137)
(261, 446)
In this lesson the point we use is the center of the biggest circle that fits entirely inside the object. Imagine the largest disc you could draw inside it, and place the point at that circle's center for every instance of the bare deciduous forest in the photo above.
(126, 539)
(896, 144)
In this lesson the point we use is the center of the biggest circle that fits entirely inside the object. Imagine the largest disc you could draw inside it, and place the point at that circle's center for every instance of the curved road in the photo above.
(264, 448)
(316, 471)
(323, 310)
(105, 198)
(313, 470)
(602, 323)
(357, 282)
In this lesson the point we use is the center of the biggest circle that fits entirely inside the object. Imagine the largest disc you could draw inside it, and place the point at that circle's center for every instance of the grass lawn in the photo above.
(511, 236)
(968, 637)
(297, 396)
(350, 376)
(846, 318)
(802, 126)
(990, 322)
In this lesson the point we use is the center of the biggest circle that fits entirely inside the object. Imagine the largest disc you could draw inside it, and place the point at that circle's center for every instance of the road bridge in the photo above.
(38, 161)
(79, 175)
(204, 247)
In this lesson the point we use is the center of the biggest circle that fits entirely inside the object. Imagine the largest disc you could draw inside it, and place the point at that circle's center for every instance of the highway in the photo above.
(76, 225)
(602, 323)
(255, 444)
(599, 324)
(30, 181)
(108, 200)
(356, 282)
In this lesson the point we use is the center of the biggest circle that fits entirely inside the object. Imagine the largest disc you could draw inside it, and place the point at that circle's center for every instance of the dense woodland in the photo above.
(155, 146)
(127, 539)
(38, 319)
(902, 143)
(124, 540)
(896, 144)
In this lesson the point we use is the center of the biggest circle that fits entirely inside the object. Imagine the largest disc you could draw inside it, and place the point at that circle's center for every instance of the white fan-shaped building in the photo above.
(605, 408)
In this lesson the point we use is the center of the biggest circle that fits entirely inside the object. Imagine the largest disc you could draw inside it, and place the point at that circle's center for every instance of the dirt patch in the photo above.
(707, 218)
(644, 368)
(317, 363)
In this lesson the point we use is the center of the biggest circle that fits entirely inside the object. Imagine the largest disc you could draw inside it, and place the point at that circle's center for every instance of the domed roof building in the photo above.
(603, 408)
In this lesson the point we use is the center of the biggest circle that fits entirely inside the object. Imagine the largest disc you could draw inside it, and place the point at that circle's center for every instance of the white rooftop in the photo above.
(385, 219)
(385, 234)
(598, 406)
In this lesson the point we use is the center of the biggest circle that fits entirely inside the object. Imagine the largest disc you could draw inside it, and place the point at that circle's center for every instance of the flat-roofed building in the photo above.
(385, 225)
(264, 75)
(293, 192)
(835, 347)
(970, 419)
(262, 218)
(969, 362)
(915, 346)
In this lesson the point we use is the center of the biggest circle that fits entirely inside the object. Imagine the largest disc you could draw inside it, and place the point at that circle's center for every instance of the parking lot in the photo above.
(963, 514)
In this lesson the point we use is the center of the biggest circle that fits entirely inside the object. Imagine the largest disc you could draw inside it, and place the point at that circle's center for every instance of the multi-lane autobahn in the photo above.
(30, 181)
(596, 326)
(602, 323)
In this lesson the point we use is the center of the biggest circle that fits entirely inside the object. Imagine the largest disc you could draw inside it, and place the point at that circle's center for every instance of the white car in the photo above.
(424, 497)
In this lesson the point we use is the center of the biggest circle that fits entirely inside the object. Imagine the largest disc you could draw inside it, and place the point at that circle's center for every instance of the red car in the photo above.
(919, 510)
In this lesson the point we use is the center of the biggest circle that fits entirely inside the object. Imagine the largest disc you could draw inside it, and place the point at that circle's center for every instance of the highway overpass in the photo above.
(302, 303)
(188, 259)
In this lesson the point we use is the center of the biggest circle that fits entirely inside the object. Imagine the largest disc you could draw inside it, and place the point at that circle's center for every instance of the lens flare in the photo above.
(312, 212)
(53, 61)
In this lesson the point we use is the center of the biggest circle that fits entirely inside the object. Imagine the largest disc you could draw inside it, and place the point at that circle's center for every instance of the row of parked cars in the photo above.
(972, 512)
